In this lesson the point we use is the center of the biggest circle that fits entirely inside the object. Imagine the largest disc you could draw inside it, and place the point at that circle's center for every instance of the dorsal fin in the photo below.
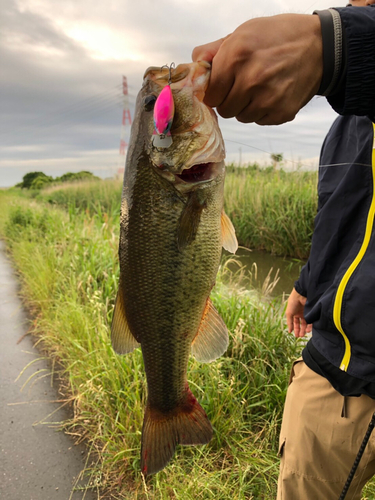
(228, 234)
(212, 339)
(122, 339)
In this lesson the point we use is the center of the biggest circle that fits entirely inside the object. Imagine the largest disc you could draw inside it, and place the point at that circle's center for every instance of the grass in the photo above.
(96, 197)
(272, 210)
(70, 284)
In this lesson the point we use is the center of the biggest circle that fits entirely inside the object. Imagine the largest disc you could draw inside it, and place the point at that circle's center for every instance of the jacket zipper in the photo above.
(343, 283)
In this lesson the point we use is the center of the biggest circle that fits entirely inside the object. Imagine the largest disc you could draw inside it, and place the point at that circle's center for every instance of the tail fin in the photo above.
(186, 424)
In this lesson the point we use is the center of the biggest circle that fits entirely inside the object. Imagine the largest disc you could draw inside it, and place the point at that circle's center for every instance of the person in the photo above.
(265, 72)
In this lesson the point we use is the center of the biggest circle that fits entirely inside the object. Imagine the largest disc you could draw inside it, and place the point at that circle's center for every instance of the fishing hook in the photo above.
(170, 67)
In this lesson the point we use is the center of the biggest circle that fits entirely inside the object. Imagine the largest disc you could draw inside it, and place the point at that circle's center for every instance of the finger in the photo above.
(266, 105)
(296, 324)
(276, 119)
(256, 111)
(207, 51)
(302, 332)
(238, 98)
(289, 321)
(221, 80)
(309, 328)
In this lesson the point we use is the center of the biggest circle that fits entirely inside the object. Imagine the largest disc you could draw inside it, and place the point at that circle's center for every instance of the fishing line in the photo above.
(268, 152)
(298, 162)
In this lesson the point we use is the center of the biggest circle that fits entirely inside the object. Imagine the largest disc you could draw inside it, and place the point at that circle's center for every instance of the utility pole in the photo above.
(125, 127)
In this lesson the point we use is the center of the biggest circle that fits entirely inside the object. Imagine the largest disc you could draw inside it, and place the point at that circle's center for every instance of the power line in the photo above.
(82, 108)
(79, 116)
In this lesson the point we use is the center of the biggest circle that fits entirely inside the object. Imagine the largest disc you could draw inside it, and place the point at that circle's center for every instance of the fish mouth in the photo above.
(198, 173)
(188, 178)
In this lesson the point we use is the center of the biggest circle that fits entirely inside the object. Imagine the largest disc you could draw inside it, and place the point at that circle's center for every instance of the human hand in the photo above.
(266, 70)
(362, 3)
(294, 315)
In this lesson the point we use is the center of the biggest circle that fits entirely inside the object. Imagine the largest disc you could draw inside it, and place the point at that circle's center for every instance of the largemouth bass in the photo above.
(172, 231)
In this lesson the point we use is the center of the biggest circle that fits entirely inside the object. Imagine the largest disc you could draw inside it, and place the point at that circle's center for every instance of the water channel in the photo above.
(262, 267)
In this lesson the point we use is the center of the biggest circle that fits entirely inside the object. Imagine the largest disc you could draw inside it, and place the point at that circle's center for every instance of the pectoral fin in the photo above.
(122, 339)
(228, 233)
(212, 339)
(190, 218)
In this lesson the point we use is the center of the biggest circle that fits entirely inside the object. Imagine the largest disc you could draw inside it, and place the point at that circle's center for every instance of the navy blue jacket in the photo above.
(339, 277)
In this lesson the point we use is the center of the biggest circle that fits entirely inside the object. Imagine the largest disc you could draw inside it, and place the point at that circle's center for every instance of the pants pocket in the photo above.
(281, 447)
(294, 369)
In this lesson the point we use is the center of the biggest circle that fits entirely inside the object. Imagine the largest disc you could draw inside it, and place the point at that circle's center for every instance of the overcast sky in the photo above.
(61, 72)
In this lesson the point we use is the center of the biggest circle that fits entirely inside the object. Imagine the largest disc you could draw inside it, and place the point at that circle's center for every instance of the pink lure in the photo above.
(164, 111)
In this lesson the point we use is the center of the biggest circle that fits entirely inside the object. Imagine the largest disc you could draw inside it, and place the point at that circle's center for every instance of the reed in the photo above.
(70, 285)
(272, 210)
(93, 196)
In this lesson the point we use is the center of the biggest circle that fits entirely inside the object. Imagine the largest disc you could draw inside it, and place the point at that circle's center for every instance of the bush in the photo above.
(32, 177)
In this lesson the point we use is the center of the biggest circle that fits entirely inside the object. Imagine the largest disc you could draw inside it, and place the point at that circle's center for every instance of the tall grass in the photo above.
(70, 284)
(272, 210)
(94, 196)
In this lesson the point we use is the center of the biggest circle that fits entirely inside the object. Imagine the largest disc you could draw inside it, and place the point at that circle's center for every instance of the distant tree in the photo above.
(40, 182)
(28, 179)
(34, 179)
(65, 177)
(276, 158)
(76, 176)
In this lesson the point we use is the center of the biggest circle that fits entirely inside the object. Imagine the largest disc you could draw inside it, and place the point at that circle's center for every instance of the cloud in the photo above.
(62, 64)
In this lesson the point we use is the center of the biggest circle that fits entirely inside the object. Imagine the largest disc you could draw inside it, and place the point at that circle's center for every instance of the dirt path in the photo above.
(36, 461)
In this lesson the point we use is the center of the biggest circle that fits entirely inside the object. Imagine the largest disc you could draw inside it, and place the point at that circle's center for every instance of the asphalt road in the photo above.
(37, 462)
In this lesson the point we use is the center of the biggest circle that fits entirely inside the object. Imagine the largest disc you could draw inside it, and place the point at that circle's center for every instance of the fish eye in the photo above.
(149, 102)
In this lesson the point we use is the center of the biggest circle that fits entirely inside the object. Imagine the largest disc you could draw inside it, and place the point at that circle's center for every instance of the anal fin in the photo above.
(123, 341)
(212, 339)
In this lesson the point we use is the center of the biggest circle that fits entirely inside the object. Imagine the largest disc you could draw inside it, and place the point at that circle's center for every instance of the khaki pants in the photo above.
(320, 437)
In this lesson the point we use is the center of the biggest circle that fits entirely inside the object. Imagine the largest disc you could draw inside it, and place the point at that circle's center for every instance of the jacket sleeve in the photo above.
(301, 284)
(348, 82)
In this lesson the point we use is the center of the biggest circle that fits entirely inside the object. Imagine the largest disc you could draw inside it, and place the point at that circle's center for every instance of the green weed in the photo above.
(70, 284)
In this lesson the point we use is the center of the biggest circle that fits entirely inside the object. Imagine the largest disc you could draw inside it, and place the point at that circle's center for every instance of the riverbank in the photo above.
(272, 210)
(70, 282)
(37, 461)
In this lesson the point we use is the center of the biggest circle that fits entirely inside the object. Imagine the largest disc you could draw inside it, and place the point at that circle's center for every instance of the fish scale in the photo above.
(153, 271)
